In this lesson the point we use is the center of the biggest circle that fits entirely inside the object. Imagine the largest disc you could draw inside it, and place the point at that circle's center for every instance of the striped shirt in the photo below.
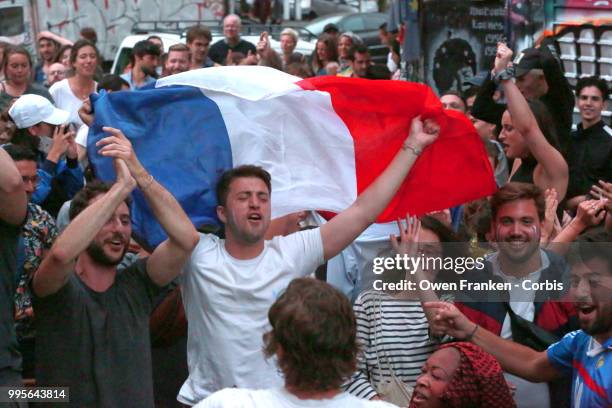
(392, 333)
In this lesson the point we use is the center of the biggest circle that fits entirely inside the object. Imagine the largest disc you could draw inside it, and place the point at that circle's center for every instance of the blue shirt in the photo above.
(128, 78)
(590, 364)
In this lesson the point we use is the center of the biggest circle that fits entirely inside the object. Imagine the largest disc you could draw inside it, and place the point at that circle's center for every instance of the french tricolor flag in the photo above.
(324, 140)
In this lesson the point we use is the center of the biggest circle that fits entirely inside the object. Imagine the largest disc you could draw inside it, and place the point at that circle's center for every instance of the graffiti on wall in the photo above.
(460, 40)
(112, 19)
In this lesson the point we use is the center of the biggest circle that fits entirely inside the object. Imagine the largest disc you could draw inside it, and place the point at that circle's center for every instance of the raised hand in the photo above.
(603, 190)
(61, 142)
(550, 215)
(449, 320)
(86, 113)
(422, 134)
(408, 241)
(123, 174)
(589, 212)
(250, 59)
(71, 150)
(503, 57)
(119, 147)
(264, 43)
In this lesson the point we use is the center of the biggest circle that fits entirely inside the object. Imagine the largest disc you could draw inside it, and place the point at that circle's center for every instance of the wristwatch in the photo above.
(504, 75)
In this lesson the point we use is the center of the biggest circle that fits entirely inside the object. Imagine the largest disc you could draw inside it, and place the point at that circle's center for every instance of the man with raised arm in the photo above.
(229, 285)
(92, 322)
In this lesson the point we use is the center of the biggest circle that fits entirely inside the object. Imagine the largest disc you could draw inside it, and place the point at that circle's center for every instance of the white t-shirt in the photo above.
(226, 302)
(66, 100)
(81, 136)
(279, 397)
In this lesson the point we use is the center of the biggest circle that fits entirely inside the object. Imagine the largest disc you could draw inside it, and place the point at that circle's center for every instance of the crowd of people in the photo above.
(284, 312)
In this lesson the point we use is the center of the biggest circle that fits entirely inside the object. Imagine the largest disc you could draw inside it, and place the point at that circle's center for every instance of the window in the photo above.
(11, 21)
(353, 23)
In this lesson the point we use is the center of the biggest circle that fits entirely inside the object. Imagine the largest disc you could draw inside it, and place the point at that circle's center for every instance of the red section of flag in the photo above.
(378, 114)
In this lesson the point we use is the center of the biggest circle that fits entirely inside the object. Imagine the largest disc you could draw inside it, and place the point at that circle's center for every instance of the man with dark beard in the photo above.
(584, 354)
(144, 59)
(517, 218)
(92, 323)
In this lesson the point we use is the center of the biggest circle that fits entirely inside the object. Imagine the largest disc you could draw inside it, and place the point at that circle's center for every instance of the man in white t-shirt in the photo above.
(228, 285)
(314, 337)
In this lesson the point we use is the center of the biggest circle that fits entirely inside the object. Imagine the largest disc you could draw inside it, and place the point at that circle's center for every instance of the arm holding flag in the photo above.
(166, 261)
(346, 226)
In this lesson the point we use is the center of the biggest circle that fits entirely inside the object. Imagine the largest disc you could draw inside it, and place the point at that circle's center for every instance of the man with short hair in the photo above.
(144, 59)
(517, 217)
(232, 41)
(13, 211)
(313, 371)
(198, 41)
(584, 354)
(41, 126)
(228, 285)
(57, 72)
(37, 235)
(332, 30)
(454, 101)
(48, 46)
(178, 60)
(590, 157)
(539, 76)
(93, 323)
(156, 39)
(359, 60)
(47, 49)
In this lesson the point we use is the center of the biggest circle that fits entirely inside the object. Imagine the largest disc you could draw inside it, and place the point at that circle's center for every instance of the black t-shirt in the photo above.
(97, 343)
(218, 51)
(589, 158)
(10, 359)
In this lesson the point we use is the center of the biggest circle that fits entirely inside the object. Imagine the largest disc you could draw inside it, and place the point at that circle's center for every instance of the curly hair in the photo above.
(314, 336)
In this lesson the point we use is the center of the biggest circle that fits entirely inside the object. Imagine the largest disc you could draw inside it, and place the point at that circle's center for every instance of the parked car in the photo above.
(122, 57)
(324, 7)
(365, 25)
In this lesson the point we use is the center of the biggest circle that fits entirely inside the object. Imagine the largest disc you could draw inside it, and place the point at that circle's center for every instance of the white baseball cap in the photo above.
(30, 110)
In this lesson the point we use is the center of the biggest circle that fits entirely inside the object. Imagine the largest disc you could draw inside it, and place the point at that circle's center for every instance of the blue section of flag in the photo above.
(181, 139)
